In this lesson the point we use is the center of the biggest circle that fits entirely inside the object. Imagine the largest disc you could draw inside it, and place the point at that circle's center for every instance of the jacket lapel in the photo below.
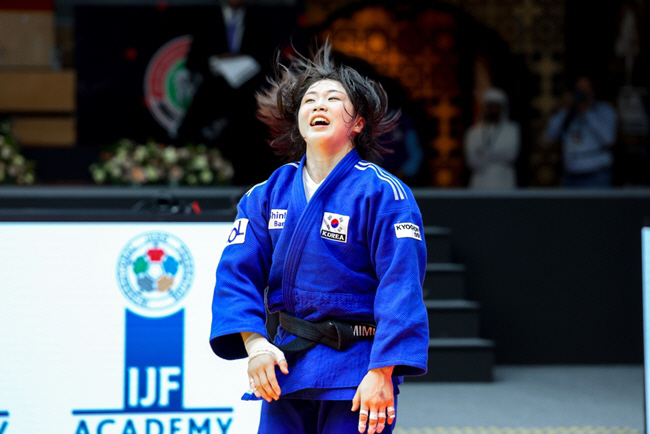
(311, 214)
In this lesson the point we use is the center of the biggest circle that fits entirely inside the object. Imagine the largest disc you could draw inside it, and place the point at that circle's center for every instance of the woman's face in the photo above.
(325, 118)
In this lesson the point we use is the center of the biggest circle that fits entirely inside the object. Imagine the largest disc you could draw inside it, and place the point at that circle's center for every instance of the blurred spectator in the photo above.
(587, 130)
(405, 151)
(405, 156)
(228, 62)
(492, 145)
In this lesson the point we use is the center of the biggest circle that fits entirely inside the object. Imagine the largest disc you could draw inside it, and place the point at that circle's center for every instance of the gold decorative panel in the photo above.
(422, 54)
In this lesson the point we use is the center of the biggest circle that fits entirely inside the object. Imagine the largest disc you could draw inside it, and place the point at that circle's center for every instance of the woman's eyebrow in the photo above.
(328, 92)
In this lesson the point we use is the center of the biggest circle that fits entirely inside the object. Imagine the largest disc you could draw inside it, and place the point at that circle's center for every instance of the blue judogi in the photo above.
(355, 251)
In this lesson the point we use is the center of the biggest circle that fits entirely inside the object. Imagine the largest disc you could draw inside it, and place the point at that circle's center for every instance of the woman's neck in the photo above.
(319, 163)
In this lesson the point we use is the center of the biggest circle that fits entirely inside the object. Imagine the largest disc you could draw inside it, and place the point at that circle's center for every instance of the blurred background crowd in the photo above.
(494, 94)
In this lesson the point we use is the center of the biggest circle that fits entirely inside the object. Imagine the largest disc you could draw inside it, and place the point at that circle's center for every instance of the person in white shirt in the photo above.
(492, 145)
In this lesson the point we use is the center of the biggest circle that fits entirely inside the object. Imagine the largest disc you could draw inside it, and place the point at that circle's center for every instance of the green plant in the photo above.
(14, 168)
(152, 163)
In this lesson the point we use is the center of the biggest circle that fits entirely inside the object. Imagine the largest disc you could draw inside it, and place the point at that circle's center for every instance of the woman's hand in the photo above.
(262, 358)
(261, 375)
(375, 400)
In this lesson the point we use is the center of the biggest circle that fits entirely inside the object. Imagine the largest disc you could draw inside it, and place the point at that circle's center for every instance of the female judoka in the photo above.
(334, 243)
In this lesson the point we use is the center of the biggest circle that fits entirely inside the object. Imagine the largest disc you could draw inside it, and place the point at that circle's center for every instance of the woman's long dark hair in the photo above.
(278, 106)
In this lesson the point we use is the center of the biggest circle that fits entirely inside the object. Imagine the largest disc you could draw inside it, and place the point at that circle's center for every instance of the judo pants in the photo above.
(303, 416)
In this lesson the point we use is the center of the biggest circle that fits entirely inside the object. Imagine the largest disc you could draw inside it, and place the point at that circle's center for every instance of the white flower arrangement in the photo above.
(14, 168)
(152, 163)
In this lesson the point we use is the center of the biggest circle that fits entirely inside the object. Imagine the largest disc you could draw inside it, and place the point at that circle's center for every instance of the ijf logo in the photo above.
(155, 272)
(168, 89)
(4, 421)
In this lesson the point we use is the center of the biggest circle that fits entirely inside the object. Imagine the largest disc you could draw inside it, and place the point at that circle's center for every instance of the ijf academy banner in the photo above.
(645, 261)
(104, 329)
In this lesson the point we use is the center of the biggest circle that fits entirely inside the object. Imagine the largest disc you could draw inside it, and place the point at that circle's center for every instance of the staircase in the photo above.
(456, 352)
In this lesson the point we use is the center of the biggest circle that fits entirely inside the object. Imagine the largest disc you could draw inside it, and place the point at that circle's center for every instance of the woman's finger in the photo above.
(284, 366)
(390, 414)
(363, 419)
(381, 419)
(264, 387)
(251, 383)
(254, 383)
(372, 421)
(273, 382)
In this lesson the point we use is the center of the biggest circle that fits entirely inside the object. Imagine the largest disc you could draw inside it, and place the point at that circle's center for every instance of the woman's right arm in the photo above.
(242, 275)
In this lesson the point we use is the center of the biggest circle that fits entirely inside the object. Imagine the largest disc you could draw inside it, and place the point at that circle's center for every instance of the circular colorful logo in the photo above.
(155, 271)
(335, 223)
(168, 90)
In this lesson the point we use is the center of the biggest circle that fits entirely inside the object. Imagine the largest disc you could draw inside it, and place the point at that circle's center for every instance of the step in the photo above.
(453, 318)
(45, 130)
(444, 281)
(459, 360)
(438, 243)
(38, 91)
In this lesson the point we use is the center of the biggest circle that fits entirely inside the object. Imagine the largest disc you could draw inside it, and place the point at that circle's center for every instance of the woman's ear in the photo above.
(358, 125)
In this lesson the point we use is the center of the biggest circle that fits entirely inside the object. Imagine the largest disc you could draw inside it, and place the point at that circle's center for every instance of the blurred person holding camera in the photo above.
(492, 145)
(587, 130)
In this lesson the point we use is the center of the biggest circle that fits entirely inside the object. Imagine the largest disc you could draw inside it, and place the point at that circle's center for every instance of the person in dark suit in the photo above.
(228, 61)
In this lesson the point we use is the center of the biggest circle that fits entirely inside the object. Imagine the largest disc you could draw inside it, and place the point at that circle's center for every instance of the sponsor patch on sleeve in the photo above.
(408, 230)
(238, 233)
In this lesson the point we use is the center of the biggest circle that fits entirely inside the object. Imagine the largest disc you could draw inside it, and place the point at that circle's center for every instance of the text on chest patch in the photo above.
(277, 218)
(335, 227)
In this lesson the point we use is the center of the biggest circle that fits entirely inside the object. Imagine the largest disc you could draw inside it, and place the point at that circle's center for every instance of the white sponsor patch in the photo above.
(408, 230)
(335, 227)
(278, 216)
(238, 233)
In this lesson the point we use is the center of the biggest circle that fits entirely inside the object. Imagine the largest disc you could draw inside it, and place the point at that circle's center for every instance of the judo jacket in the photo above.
(354, 252)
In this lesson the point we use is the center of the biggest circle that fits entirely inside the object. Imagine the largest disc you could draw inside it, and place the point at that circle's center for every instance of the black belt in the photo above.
(335, 334)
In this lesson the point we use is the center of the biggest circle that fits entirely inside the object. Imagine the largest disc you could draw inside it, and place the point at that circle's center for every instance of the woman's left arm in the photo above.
(397, 245)
(400, 346)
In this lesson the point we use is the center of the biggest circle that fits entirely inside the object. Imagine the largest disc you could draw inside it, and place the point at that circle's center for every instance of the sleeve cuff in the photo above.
(229, 345)
(402, 367)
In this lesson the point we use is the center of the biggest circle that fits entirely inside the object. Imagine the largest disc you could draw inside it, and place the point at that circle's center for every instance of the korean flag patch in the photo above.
(335, 227)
